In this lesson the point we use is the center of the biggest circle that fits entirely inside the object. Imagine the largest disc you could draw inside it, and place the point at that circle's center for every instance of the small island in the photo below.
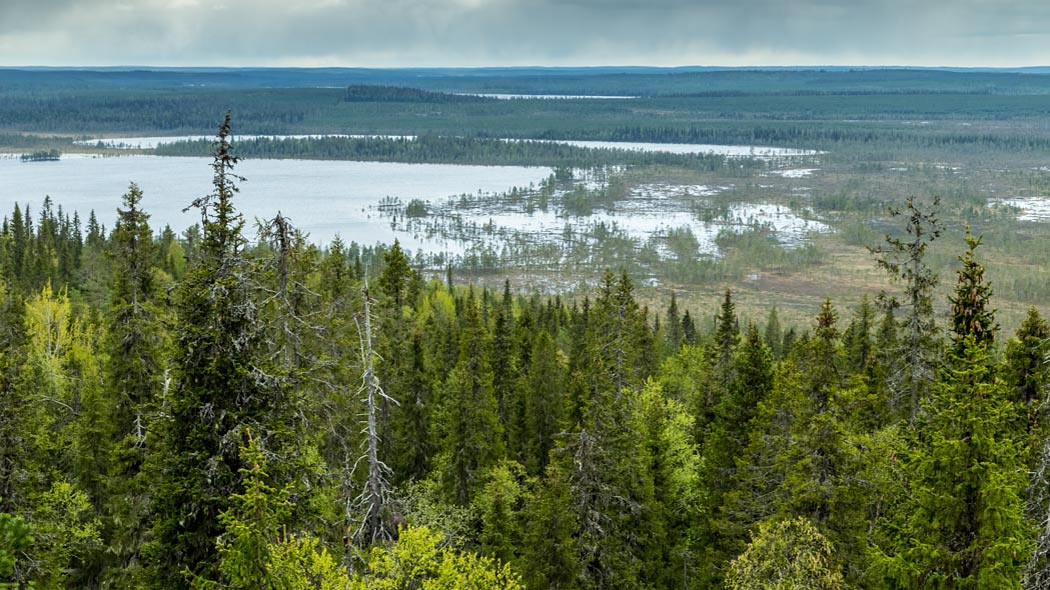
(51, 155)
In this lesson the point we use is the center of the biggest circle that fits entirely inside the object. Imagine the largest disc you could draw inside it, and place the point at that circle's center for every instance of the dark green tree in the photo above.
(544, 402)
(905, 260)
(222, 385)
(134, 374)
(963, 519)
(970, 312)
(472, 440)
(1026, 371)
(774, 334)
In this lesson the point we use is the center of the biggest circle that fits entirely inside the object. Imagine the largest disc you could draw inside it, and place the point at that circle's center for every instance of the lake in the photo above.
(322, 198)
(331, 197)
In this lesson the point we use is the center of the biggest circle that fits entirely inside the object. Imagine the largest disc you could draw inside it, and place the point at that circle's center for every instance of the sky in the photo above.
(466, 33)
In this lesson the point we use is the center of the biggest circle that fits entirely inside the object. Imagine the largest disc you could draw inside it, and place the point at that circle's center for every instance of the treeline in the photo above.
(281, 416)
(433, 149)
(823, 136)
(859, 108)
(379, 93)
(162, 111)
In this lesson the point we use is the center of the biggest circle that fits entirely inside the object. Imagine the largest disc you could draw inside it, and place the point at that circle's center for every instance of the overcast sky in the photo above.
(385, 33)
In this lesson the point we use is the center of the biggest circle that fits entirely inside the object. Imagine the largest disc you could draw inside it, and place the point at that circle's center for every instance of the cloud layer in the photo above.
(382, 33)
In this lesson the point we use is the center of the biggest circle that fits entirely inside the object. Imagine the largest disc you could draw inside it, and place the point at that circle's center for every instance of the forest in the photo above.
(219, 409)
(236, 405)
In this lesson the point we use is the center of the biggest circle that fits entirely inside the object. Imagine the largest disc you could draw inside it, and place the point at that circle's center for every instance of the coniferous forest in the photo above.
(238, 407)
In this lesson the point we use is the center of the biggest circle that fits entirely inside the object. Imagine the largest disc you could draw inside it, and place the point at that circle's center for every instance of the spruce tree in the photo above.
(970, 312)
(727, 334)
(905, 260)
(472, 440)
(858, 338)
(134, 376)
(222, 385)
(674, 325)
(963, 521)
(774, 334)
(544, 404)
(726, 440)
(609, 485)
(1026, 370)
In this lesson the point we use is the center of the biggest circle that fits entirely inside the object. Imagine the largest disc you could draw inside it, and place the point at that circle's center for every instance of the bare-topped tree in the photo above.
(369, 515)
(1037, 573)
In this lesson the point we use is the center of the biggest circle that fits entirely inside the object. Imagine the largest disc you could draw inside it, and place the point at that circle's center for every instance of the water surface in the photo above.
(323, 198)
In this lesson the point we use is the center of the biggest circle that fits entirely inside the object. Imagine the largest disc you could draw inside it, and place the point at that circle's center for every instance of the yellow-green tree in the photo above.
(785, 555)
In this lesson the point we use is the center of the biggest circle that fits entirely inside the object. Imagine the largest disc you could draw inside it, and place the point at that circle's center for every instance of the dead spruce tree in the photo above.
(369, 515)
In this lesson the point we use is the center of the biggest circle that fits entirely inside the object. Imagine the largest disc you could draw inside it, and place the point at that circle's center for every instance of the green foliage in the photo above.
(785, 555)
(583, 441)
(64, 531)
(905, 260)
(472, 439)
(544, 401)
(964, 525)
(1025, 371)
(549, 552)
(971, 314)
(256, 552)
(134, 374)
(417, 560)
(223, 384)
(15, 538)
(499, 504)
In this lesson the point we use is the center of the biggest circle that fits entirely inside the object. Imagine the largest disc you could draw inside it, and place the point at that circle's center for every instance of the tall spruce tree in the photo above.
(905, 260)
(221, 386)
(963, 521)
(472, 435)
(134, 374)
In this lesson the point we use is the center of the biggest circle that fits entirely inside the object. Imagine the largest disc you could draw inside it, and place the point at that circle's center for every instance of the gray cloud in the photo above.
(520, 32)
